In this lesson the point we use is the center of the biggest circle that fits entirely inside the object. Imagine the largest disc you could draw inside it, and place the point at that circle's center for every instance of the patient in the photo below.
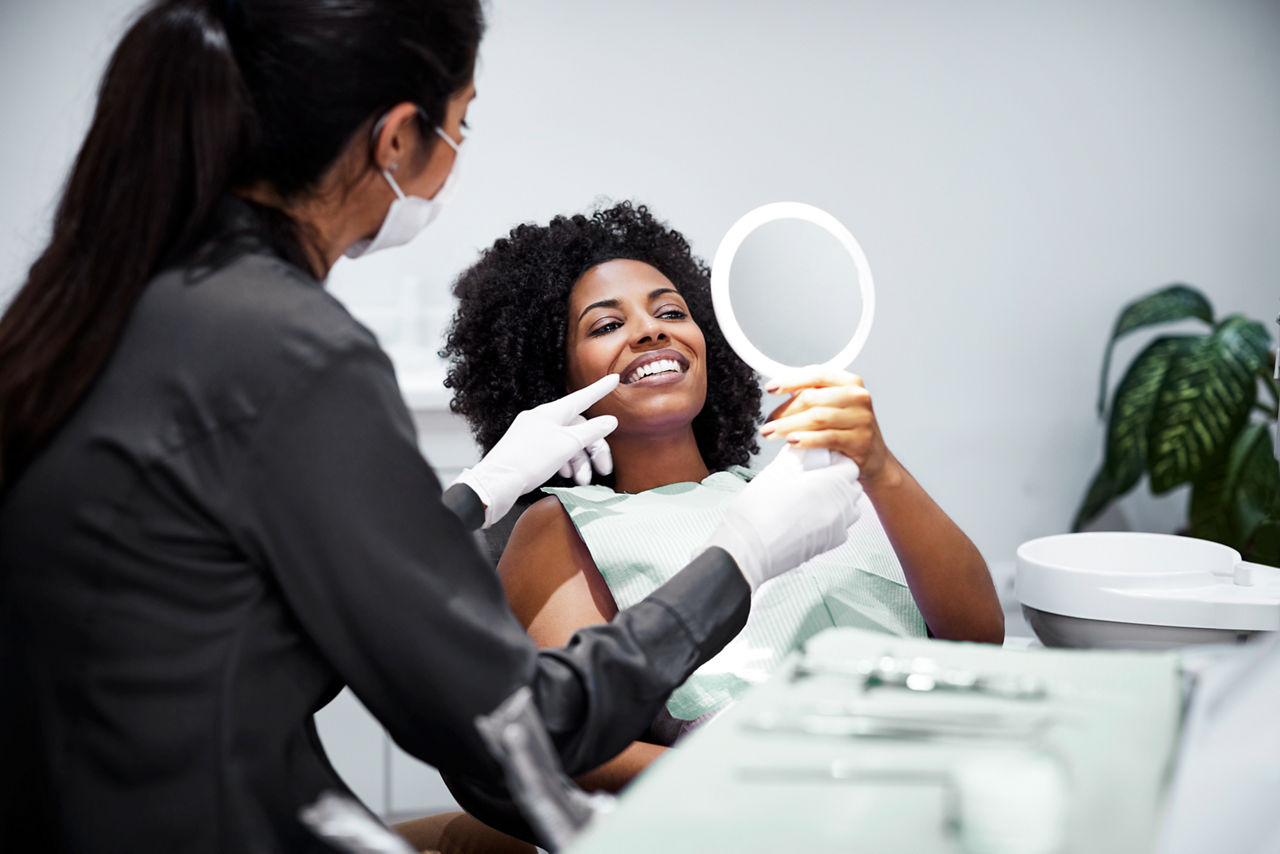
(550, 309)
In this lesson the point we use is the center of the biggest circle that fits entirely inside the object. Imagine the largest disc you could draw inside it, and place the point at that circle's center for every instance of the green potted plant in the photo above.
(1188, 410)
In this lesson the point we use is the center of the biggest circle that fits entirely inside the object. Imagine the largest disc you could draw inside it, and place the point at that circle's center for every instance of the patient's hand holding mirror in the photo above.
(792, 288)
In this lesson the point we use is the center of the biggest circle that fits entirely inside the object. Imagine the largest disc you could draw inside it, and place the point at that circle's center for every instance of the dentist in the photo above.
(213, 510)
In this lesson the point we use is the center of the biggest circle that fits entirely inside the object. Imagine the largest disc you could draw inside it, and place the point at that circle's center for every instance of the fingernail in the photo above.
(766, 430)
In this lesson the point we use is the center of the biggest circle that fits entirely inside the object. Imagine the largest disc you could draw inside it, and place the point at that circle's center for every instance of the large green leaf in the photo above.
(1135, 400)
(1172, 302)
(1267, 369)
(1238, 492)
(1266, 544)
(1269, 383)
(1203, 402)
(1253, 478)
(1210, 512)
(1245, 342)
(1267, 373)
(1265, 547)
(1101, 493)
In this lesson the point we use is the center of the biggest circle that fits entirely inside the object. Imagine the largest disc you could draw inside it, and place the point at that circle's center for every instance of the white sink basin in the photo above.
(1126, 590)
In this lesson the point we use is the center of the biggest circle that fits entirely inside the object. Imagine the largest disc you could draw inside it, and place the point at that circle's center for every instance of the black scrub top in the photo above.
(234, 523)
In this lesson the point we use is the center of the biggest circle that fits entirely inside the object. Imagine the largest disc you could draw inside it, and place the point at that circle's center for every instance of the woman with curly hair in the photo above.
(561, 305)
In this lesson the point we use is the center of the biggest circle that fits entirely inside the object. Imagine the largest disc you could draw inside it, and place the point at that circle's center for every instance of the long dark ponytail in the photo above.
(169, 120)
(201, 96)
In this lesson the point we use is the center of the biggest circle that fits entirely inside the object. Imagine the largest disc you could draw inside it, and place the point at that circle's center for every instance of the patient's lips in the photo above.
(656, 368)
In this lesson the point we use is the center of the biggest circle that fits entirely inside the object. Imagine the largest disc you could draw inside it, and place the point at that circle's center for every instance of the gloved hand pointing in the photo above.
(788, 514)
(541, 441)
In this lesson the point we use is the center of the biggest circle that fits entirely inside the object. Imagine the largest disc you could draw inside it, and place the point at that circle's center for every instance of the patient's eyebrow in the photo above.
(614, 303)
(604, 303)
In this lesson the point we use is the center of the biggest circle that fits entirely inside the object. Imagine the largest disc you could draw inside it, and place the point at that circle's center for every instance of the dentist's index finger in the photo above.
(576, 402)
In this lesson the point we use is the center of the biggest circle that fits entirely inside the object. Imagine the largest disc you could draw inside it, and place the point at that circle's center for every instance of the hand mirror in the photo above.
(791, 288)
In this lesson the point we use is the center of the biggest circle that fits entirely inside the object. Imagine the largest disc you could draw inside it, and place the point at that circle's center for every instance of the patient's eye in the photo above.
(604, 328)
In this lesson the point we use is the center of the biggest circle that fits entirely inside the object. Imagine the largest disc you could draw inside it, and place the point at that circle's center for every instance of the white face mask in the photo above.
(409, 215)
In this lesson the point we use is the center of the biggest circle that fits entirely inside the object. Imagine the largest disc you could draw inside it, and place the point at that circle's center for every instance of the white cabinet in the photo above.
(357, 747)
(415, 788)
(389, 781)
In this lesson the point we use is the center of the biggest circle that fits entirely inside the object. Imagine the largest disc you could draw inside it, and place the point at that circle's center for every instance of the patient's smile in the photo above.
(660, 367)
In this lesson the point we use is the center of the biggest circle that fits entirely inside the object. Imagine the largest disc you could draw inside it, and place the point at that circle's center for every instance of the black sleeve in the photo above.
(463, 502)
(709, 582)
(340, 506)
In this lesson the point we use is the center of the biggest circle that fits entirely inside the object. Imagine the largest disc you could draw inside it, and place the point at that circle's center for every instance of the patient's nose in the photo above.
(647, 330)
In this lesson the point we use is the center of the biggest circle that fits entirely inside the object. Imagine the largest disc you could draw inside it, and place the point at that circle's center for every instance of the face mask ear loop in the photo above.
(394, 186)
(440, 133)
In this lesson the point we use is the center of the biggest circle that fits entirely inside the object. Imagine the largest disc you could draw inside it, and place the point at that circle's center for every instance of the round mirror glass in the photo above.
(791, 287)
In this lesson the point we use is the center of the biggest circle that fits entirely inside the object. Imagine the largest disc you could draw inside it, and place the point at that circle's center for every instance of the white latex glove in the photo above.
(541, 441)
(788, 514)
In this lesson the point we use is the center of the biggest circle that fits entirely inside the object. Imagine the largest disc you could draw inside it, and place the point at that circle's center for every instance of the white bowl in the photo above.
(1137, 590)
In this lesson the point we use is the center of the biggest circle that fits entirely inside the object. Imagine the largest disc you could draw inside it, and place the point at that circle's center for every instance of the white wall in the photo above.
(51, 55)
(1015, 171)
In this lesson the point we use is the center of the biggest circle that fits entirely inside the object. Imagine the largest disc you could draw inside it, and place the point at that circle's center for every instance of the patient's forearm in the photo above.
(947, 575)
(615, 774)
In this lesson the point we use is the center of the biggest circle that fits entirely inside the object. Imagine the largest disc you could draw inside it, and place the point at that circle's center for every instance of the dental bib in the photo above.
(641, 541)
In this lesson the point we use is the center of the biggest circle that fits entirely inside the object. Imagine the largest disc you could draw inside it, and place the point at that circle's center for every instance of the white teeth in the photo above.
(658, 367)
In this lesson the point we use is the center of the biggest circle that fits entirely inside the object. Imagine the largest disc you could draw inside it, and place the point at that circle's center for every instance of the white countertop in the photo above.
(421, 376)
(425, 392)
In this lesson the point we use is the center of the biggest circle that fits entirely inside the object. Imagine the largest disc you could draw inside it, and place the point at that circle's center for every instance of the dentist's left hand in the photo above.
(550, 438)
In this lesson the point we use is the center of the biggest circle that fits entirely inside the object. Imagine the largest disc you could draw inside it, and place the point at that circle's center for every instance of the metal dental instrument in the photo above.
(904, 726)
(924, 674)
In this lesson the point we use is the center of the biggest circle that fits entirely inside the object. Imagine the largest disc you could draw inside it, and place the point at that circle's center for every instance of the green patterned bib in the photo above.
(640, 541)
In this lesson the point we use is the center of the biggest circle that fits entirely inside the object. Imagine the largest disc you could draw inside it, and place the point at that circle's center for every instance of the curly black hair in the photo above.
(506, 343)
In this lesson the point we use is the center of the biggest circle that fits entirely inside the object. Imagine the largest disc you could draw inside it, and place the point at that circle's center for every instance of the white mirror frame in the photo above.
(723, 303)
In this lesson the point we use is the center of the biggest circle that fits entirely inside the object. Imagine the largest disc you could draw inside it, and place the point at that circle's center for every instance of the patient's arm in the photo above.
(947, 575)
(554, 588)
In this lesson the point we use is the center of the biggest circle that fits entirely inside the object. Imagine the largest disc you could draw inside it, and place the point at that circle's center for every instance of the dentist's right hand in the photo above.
(546, 439)
(788, 514)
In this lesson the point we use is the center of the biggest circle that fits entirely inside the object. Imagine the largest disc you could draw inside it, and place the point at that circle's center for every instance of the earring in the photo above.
(393, 167)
